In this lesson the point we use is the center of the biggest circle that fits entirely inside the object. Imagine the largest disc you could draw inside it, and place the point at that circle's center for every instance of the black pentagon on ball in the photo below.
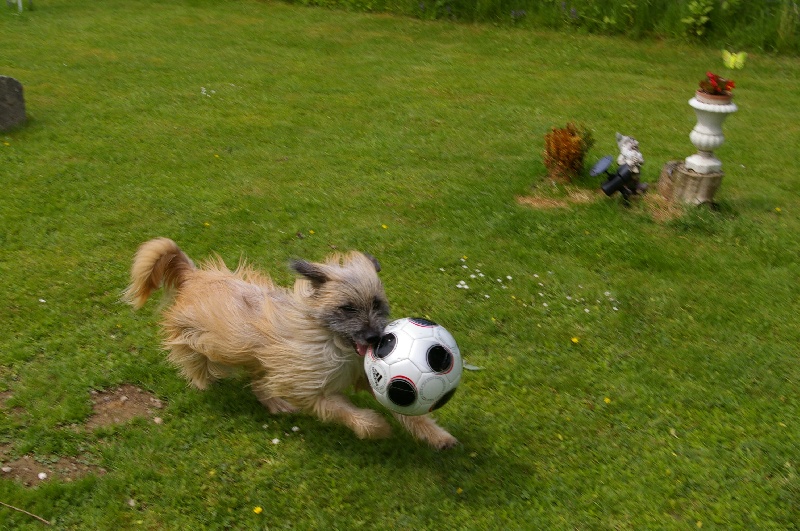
(445, 399)
(386, 345)
(439, 359)
(401, 392)
(419, 321)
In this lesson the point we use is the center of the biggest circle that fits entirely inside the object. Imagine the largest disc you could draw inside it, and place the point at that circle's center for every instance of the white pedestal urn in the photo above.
(695, 180)
(707, 135)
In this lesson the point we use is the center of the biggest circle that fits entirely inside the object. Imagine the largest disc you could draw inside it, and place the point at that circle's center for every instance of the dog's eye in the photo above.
(348, 309)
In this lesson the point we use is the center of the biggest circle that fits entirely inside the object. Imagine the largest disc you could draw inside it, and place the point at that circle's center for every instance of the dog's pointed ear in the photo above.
(313, 272)
(374, 262)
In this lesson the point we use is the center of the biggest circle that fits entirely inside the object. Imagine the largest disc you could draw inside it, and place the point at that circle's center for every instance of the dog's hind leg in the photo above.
(366, 423)
(424, 428)
(195, 367)
(274, 404)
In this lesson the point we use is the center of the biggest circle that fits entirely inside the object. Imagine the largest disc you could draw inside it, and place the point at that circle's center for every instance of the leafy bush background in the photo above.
(764, 25)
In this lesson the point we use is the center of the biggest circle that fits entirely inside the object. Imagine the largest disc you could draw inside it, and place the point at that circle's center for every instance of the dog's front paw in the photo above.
(444, 441)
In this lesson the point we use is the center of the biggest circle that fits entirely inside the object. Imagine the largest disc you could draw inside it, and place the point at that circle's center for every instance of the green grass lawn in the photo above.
(257, 129)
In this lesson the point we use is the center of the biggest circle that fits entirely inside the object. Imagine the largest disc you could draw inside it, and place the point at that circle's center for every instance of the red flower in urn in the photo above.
(715, 85)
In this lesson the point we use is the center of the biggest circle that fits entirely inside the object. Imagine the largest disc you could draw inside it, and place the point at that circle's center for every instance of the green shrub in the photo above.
(769, 26)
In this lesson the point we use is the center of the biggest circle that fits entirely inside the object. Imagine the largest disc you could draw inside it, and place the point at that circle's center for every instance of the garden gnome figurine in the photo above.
(629, 153)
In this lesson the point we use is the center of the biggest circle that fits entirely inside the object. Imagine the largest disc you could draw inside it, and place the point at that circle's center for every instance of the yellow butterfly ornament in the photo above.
(734, 61)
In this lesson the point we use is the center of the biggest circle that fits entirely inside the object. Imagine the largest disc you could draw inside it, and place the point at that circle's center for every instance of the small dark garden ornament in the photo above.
(626, 179)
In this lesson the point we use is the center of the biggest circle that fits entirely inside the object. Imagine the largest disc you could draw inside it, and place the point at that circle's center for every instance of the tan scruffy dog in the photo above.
(302, 347)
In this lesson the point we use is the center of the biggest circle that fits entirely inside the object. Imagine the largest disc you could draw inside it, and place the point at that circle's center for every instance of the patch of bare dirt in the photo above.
(661, 209)
(122, 404)
(110, 407)
(32, 471)
(574, 196)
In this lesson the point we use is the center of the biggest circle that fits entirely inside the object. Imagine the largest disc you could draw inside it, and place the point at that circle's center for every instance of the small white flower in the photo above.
(508, 277)
(535, 275)
(275, 441)
(42, 476)
(42, 301)
(481, 275)
(542, 285)
(158, 420)
(441, 269)
(569, 298)
(472, 276)
(541, 294)
(616, 309)
(544, 304)
(500, 280)
(607, 293)
(586, 310)
(465, 267)
(295, 429)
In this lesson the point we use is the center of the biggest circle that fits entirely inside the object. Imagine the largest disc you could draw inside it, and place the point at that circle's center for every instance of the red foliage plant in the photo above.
(565, 150)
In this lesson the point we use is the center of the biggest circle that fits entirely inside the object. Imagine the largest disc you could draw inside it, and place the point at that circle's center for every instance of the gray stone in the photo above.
(12, 103)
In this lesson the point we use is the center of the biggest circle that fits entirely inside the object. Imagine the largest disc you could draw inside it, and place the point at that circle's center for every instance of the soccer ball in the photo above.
(415, 368)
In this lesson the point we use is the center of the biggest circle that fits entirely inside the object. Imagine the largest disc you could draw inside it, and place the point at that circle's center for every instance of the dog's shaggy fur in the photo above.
(302, 347)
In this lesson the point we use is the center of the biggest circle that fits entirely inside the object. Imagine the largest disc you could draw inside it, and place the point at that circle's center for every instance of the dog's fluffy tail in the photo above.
(157, 263)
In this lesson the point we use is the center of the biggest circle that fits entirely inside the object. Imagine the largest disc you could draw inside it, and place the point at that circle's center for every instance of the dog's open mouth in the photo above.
(362, 349)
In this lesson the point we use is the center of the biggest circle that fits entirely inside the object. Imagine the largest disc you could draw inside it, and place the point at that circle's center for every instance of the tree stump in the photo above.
(12, 103)
(677, 183)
